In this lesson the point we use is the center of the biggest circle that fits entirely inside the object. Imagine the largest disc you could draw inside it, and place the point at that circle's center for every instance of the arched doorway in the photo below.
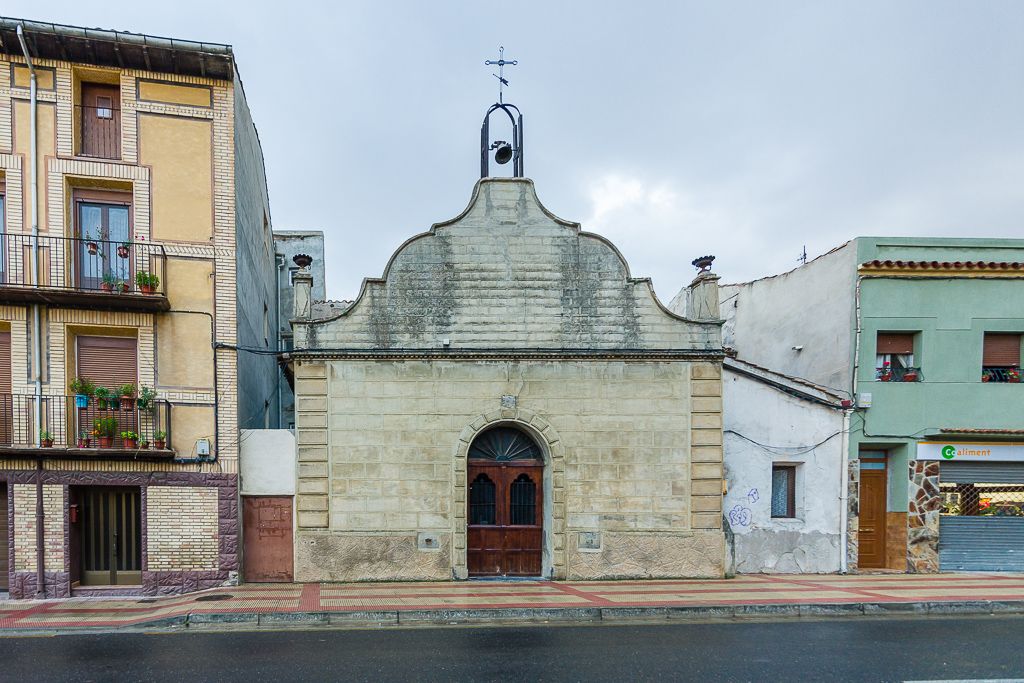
(505, 516)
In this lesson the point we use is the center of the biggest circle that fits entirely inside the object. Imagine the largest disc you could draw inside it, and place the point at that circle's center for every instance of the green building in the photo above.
(924, 337)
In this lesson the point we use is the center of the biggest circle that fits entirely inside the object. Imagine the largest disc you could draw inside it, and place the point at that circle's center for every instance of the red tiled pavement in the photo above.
(391, 597)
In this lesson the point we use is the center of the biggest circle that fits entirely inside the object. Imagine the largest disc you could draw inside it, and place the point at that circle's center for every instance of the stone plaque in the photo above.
(590, 540)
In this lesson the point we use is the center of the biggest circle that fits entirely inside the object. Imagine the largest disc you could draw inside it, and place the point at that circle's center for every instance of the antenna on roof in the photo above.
(803, 256)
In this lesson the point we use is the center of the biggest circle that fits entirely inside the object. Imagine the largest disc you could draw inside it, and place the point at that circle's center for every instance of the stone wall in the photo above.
(382, 448)
(923, 517)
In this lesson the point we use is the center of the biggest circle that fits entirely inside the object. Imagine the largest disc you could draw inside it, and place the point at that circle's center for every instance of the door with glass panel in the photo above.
(505, 528)
(110, 536)
(102, 228)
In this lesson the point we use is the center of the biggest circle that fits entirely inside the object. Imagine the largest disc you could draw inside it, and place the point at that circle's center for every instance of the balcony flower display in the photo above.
(884, 373)
(131, 439)
(109, 282)
(103, 396)
(105, 428)
(127, 394)
(122, 249)
(159, 440)
(83, 389)
(84, 440)
(147, 282)
(1013, 375)
(45, 439)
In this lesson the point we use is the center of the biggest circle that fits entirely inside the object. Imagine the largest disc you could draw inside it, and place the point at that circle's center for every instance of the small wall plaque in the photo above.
(508, 401)
(428, 541)
(590, 540)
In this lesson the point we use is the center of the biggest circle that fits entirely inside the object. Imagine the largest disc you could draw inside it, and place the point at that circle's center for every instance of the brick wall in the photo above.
(182, 528)
(24, 532)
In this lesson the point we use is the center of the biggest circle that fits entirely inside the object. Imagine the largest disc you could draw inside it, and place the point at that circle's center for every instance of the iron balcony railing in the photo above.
(100, 132)
(1001, 374)
(67, 425)
(83, 264)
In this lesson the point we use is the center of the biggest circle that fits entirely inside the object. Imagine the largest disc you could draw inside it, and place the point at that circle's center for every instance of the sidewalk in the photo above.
(357, 604)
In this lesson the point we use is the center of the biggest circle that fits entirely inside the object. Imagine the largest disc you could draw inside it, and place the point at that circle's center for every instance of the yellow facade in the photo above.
(174, 165)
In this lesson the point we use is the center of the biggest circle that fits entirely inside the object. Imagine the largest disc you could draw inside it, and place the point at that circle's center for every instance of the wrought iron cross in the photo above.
(501, 62)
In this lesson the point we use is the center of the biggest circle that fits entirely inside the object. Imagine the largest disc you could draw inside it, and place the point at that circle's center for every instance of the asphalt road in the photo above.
(853, 649)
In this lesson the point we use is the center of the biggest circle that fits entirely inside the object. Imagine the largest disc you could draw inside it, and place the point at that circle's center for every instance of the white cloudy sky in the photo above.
(741, 129)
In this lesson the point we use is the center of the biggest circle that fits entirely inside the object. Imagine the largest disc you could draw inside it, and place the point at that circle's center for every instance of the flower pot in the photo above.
(131, 444)
(93, 248)
(122, 251)
(47, 443)
(910, 377)
(984, 378)
(105, 441)
(159, 444)
(127, 402)
(106, 287)
(123, 287)
(147, 289)
(83, 443)
(101, 404)
(81, 401)
(1013, 380)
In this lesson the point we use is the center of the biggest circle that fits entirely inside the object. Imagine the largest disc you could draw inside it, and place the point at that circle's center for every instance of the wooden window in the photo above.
(1001, 350)
(103, 219)
(482, 501)
(108, 361)
(894, 356)
(783, 491)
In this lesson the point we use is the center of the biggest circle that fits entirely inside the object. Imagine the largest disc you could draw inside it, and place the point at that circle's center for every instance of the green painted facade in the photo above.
(949, 317)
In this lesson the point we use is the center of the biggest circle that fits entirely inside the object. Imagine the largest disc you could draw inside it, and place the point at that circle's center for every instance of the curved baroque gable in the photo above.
(507, 274)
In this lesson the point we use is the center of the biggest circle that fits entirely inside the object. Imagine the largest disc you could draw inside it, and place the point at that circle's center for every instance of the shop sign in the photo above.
(970, 452)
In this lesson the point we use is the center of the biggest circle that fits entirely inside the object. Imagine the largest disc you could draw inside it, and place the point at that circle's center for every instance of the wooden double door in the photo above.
(505, 518)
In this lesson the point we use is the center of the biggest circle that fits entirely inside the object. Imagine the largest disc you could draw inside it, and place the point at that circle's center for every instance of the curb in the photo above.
(534, 615)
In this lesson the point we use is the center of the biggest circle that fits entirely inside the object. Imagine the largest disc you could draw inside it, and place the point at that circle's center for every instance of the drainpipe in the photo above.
(280, 263)
(844, 495)
(37, 344)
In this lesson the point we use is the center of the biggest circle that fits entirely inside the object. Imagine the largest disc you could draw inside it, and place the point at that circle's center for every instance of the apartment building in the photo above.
(138, 315)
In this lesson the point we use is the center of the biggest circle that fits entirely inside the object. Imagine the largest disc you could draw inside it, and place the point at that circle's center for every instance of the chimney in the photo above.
(702, 294)
(302, 282)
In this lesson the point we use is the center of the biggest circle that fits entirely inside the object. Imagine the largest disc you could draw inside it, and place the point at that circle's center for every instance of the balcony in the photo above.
(83, 273)
(1008, 374)
(71, 428)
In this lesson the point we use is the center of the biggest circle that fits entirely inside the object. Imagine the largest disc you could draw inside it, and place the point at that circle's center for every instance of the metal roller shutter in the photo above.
(108, 361)
(981, 542)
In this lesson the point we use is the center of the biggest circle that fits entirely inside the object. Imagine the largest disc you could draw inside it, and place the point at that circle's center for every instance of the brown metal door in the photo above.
(101, 121)
(871, 534)
(506, 519)
(267, 524)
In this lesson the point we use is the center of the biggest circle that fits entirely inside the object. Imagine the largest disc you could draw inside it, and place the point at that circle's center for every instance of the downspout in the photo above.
(280, 263)
(844, 496)
(37, 343)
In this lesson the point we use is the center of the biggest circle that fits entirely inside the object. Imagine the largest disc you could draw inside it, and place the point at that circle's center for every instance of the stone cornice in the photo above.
(509, 354)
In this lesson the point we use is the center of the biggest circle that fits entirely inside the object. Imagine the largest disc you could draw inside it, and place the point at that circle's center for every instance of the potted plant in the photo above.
(84, 440)
(911, 374)
(131, 439)
(159, 440)
(127, 394)
(122, 249)
(90, 245)
(103, 396)
(109, 282)
(45, 439)
(104, 428)
(147, 282)
(83, 389)
(122, 286)
(146, 398)
(144, 443)
(1013, 375)
(986, 375)
(884, 373)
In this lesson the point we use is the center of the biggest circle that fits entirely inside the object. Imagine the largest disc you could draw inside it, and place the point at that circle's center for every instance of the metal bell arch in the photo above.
(517, 140)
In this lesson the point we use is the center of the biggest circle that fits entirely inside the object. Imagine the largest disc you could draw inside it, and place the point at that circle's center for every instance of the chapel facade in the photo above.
(507, 400)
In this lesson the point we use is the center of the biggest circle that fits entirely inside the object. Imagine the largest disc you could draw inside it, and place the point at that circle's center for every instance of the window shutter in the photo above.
(1001, 350)
(895, 343)
(5, 362)
(108, 361)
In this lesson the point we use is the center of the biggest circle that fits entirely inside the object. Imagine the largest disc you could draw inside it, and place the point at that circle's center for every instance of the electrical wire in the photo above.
(784, 450)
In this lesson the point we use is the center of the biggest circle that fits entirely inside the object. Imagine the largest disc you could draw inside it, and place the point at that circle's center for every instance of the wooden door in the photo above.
(267, 538)
(111, 537)
(871, 533)
(101, 121)
(506, 518)
(4, 539)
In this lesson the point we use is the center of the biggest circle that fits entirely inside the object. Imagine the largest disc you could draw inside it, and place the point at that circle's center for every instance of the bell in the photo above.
(504, 153)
